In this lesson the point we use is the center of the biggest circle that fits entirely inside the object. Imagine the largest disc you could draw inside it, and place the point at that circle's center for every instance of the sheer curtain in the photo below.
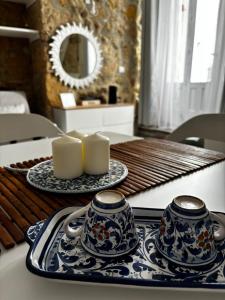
(166, 96)
(214, 93)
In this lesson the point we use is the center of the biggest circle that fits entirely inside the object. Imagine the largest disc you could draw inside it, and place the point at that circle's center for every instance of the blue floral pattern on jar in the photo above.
(189, 242)
(109, 234)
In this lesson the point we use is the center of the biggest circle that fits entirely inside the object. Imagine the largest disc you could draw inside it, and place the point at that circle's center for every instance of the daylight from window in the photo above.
(204, 40)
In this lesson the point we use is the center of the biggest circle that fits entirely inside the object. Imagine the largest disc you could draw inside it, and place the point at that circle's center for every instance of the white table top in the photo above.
(18, 152)
(16, 282)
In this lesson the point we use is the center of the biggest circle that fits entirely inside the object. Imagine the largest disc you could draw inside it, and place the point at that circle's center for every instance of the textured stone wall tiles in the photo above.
(117, 25)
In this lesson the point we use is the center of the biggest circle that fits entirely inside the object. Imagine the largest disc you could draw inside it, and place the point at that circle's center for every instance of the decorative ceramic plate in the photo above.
(17, 170)
(41, 176)
(56, 256)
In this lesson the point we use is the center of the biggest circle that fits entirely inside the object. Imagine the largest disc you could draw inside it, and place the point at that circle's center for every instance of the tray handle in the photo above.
(33, 231)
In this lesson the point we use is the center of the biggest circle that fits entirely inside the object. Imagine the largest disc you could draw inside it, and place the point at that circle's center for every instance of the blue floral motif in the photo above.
(181, 227)
(41, 176)
(33, 231)
(145, 263)
(185, 240)
(111, 234)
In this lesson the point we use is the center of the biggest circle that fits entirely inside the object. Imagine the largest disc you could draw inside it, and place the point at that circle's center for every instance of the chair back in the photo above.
(20, 127)
(207, 127)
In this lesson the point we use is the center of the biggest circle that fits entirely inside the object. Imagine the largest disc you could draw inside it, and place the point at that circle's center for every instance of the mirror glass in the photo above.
(78, 56)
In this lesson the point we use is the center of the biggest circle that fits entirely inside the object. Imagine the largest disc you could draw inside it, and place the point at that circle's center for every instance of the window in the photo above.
(204, 40)
(196, 38)
(182, 28)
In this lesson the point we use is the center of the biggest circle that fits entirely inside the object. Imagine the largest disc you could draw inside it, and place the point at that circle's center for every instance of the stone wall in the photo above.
(117, 27)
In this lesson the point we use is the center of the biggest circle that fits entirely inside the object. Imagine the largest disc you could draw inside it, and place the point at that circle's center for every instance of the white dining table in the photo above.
(18, 152)
(16, 282)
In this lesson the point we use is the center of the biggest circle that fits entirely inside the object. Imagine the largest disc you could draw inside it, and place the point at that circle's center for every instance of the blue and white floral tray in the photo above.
(41, 176)
(55, 256)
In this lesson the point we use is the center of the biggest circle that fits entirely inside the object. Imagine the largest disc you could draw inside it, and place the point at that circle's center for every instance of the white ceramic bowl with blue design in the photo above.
(109, 229)
(187, 232)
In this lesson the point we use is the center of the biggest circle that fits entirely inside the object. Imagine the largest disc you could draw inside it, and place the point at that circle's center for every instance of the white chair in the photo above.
(20, 127)
(210, 127)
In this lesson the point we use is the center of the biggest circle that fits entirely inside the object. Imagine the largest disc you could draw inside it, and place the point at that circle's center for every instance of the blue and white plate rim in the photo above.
(125, 174)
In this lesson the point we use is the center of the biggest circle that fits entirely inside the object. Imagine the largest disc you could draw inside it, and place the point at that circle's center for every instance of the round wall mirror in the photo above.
(75, 55)
(78, 56)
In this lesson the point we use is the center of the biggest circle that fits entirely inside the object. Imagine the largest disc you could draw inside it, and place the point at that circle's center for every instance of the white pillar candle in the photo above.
(97, 154)
(77, 134)
(67, 157)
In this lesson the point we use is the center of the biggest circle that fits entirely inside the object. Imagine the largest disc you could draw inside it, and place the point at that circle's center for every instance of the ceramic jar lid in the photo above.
(188, 206)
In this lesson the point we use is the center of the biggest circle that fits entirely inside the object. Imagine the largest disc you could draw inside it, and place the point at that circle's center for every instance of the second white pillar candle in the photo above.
(77, 134)
(67, 157)
(97, 154)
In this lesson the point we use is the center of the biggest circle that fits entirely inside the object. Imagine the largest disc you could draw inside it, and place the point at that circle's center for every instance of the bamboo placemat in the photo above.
(150, 162)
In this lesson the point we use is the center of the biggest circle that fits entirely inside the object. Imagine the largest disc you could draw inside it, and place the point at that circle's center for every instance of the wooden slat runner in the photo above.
(150, 162)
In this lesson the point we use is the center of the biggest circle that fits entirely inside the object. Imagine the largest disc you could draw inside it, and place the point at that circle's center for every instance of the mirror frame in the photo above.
(58, 38)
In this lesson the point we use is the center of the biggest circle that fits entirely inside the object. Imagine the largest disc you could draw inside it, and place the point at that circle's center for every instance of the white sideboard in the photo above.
(116, 118)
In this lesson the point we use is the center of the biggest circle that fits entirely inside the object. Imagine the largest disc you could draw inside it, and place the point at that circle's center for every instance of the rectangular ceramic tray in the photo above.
(55, 256)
